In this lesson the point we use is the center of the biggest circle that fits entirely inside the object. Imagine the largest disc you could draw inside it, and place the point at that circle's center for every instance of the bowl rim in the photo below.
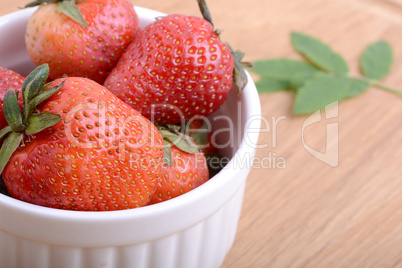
(12, 209)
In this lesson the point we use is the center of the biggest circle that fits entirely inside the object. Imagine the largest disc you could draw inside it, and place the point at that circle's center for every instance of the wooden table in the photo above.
(304, 212)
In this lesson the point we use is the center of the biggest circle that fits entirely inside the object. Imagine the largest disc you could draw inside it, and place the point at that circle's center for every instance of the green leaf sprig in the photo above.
(323, 76)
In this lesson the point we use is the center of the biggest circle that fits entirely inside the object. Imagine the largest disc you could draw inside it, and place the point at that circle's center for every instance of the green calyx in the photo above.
(201, 135)
(26, 121)
(68, 7)
(172, 136)
(239, 74)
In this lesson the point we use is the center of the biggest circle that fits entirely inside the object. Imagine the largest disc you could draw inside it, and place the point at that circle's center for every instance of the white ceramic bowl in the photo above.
(194, 230)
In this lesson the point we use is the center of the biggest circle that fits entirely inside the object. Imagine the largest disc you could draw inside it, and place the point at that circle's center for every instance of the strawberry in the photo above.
(85, 39)
(176, 68)
(8, 79)
(185, 168)
(84, 150)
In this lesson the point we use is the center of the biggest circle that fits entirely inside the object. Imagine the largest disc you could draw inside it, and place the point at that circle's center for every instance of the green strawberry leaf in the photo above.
(44, 95)
(38, 122)
(299, 79)
(172, 128)
(377, 60)
(323, 78)
(267, 85)
(282, 69)
(30, 123)
(357, 87)
(182, 142)
(320, 92)
(12, 111)
(5, 131)
(319, 53)
(34, 82)
(167, 156)
(9, 146)
(69, 8)
(239, 74)
(200, 137)
(25, 98)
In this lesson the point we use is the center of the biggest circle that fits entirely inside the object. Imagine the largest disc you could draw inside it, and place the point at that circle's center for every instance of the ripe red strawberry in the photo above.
(176, 68)
(88, 44)
(8, 79)
(98, 154)
(187, 172)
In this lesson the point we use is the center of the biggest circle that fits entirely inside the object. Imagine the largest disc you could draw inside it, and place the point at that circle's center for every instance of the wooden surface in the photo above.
(307, 213)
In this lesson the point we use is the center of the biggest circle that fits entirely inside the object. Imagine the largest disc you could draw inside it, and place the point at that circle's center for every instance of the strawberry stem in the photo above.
(206, 14)
(239, 75)
(377, 84)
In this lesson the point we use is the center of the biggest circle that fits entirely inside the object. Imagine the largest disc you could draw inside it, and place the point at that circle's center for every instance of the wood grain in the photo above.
(304, 212)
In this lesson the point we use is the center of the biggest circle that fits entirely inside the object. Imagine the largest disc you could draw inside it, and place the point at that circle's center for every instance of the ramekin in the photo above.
(196, 229)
